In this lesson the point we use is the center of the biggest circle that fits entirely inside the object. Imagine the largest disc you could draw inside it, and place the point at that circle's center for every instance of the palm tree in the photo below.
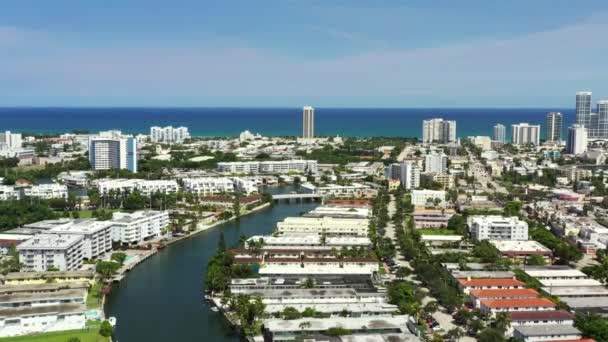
(502, 321)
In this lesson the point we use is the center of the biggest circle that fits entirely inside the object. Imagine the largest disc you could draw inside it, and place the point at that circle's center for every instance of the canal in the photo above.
(161, 299)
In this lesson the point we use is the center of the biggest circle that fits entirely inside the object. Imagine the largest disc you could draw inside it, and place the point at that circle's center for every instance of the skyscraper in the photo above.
(601, 131)
(308, 122)
(524, 133)
(111, 151)
(435, 162)
(554, 126)
(583, 108)
(500, 133)
(438, 130)
(410, 175)
(577, 139)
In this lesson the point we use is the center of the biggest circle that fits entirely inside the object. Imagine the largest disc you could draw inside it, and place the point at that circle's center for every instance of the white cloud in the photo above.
(558, 61)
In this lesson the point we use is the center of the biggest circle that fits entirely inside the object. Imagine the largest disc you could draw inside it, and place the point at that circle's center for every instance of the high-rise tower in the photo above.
(308, 122)
(554, 126)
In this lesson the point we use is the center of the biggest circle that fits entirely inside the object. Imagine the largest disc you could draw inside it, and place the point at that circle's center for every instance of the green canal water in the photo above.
(162, 299)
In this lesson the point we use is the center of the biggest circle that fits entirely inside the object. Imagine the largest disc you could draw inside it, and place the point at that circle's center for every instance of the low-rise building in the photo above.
(323, 226)
(134, 228)
(47, 191)
(97, 235)
(469, 284)
(49, 277)
(335, 190)
(63, 252)
(209, 186)
(553, 333)
(543, 317)
(421, 198)
(8, 192)
(494, 227)
(478, 295)
(274, 166)
(431, 218)
(24, 320)
(144, 186)
(493, 306)
(520, 251)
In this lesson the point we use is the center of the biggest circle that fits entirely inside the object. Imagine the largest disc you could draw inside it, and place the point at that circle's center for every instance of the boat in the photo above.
(112, 321)
(214, 309)
(161, 246)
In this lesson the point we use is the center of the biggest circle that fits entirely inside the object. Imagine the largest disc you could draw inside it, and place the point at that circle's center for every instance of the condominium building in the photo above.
(47, 191)
(524, 133)
(438, 130)
(308, 122)
(133, 228)
(583, 109)
(554, 126)
(500, 133)
(42, 318)
(145, 187)
(409, 175)
(426, 197)
(494, 227)
(577, 139)
(10, 140)
(336, 190)
(435, 162)
(206, 186)
(323, 226)
(277, 166)
(111, 150)
(169, 134)
(45, 251)
(245, 185)
(8, 192)
(97, 235)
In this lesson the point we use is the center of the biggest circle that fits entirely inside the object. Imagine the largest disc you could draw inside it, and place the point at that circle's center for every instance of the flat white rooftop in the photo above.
(376, 323)
(519, 246)
(76, 226)
(555, 273)
(50, 241)
(569, 282)
(577, 291)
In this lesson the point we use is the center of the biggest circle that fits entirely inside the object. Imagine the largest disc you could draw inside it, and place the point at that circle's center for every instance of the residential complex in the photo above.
(47, 191)
(500, 133)
(112, 150)
(497, 228)
(279, 166)
(427, 197)
(435, 162)
(308, 122)
(133, 228)
(438, 131)
(577, 139)
(554, 127)
(169, 135)
(43, 252)
(524, 133)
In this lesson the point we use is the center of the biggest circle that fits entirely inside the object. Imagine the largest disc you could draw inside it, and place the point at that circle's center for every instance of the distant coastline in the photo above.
(220, 122)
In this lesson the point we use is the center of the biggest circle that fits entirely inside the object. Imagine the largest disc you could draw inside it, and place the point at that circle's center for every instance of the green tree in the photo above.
(512, 208)
(290, 313)
(592, 325)
(119, 257)
(134, 201)
(491, 335)
(106, 329)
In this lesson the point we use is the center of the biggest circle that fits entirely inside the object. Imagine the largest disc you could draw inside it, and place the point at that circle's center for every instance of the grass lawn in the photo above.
(436, 232)
(94, 296)
(87, 335)
(89, 213)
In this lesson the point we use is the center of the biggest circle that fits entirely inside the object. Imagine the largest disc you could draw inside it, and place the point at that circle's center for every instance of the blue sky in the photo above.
(295, 52)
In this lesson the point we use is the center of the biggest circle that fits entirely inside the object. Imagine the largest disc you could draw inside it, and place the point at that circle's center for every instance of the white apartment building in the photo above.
(47, 191)
(500, 133)
(524, 133)
(43, 251)
(438, 130)
(97, 235)
(425, 197)
(409, 175)
(353, 190)
(41, 319)
(10, 140)
(146, 187)
(8, 192)
(577, 139)
(483, 142)
(435, 162)
(323, 225)
(308, 122)
(169, 134)
(208, 186)
(277, 166)
(111, 150)
(495, 227)
(245, 186)
(133, 228)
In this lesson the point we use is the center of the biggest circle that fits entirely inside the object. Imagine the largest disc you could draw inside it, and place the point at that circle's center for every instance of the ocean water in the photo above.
(211, 122)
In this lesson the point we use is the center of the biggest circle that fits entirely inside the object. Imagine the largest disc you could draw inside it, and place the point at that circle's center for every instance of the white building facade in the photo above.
(134, 228)
(438, 130)
(425, 197)
(494, 227)
(577, 139)
(47, 191)
(42, 252)
(524, 133)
